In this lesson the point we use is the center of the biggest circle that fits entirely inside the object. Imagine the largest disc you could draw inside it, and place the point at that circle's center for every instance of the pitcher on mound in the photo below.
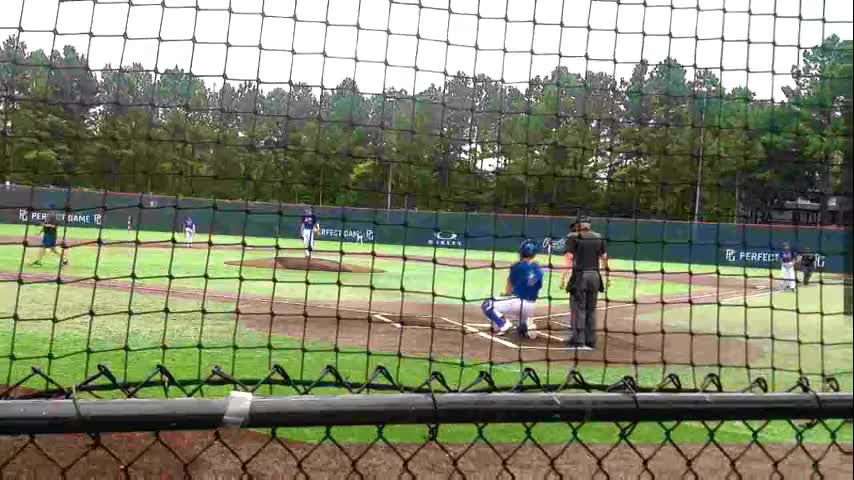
(788, 257)
(309, 229)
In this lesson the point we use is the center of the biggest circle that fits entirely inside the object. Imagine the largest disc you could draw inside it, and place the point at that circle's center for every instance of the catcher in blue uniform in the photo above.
(522, 290)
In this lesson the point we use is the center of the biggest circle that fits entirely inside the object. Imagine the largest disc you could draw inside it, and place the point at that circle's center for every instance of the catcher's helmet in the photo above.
(528, 249)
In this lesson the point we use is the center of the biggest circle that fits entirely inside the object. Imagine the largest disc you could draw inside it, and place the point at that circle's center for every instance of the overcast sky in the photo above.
(748, 42)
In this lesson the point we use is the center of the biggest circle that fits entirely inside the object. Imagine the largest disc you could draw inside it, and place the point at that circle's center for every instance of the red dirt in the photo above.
(35, 241)
(622, 338)
(8, 393)
(231, 453)
(304, 264)
(468, 262)
(704, 280)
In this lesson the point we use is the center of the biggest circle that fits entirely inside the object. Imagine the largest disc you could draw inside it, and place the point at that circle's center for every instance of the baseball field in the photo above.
(133, 300)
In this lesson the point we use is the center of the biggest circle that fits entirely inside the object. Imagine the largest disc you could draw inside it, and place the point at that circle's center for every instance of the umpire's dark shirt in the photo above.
(586, 248)
(807, 261)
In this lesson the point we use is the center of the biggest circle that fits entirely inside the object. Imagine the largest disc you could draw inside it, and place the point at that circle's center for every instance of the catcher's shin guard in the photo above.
(490, 313)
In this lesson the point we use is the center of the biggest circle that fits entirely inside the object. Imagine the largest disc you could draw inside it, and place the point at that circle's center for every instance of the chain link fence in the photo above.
(329, 427)
(384, 160)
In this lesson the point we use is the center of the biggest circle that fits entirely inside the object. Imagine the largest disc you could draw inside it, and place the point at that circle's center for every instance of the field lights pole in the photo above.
(700, 163)
(388, 194)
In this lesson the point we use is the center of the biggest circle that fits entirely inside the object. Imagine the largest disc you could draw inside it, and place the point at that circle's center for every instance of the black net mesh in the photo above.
(580, 449)
(337, 186)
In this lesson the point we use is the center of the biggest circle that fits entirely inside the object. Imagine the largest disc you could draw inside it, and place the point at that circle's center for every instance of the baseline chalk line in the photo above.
(387, 320)
(480, 333)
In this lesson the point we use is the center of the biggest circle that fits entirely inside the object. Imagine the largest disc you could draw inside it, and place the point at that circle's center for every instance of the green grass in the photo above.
(420, 280)
(70, 347)
(800, 334)
(68, 330)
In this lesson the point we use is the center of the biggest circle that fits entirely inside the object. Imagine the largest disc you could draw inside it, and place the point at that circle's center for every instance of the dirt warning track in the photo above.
(234, 453)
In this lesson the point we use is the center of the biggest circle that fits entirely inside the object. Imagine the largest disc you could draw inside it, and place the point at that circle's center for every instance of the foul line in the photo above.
(744, 297)
(471, 328)
(665, 302)
(468, 327)
(481, 334)
(539, 332)
(387, 320)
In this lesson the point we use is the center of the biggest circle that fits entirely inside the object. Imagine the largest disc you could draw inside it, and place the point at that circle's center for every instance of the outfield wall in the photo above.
(646, 240)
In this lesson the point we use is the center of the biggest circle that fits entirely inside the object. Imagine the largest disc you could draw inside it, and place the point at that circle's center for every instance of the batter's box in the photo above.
(550, 335)
(422, 322)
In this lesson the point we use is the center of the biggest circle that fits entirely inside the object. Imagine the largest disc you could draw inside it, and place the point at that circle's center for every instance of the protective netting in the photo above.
(346, 184)
(576, 449)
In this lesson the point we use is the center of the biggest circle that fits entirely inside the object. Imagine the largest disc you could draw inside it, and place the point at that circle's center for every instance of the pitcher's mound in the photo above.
(302, 263)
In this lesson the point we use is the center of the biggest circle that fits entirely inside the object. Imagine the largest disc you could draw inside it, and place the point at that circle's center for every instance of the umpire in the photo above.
(806, 260)
(589, 253)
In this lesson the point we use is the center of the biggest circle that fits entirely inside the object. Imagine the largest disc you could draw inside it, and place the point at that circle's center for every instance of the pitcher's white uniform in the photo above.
(189, 231)
(309, 228)
(787, 268)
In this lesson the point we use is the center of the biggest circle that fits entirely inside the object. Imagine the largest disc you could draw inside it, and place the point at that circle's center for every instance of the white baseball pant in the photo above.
(787, 270)
(513, 308)
(308, 241)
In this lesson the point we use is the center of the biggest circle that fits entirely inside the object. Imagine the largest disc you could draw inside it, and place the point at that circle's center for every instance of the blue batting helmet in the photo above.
(528, 249)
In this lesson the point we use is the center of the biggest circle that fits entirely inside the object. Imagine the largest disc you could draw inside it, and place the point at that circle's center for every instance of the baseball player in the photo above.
(787, 267)
(548, 244)
(189, 231)
(587, 255)
(48, 233)
(806, 260)
(308, 228)
(523, 287)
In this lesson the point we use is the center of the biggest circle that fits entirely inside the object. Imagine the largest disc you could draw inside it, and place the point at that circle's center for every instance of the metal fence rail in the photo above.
(331, 428)
(241, 409)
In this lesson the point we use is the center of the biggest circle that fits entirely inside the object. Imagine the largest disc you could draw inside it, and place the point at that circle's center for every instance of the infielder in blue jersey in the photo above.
(523, 288)
(309, 228)
(49, 229)
(189, 231)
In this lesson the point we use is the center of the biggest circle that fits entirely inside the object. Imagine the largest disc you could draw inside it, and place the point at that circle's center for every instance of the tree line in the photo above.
(622, 147)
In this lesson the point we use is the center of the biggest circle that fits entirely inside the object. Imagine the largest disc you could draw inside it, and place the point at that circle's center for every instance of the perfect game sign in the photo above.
(73, 218)
(760, 258)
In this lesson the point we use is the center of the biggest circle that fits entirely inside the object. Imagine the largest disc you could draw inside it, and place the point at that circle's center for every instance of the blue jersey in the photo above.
(526, 278)
(188, 223)
(309, 221)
